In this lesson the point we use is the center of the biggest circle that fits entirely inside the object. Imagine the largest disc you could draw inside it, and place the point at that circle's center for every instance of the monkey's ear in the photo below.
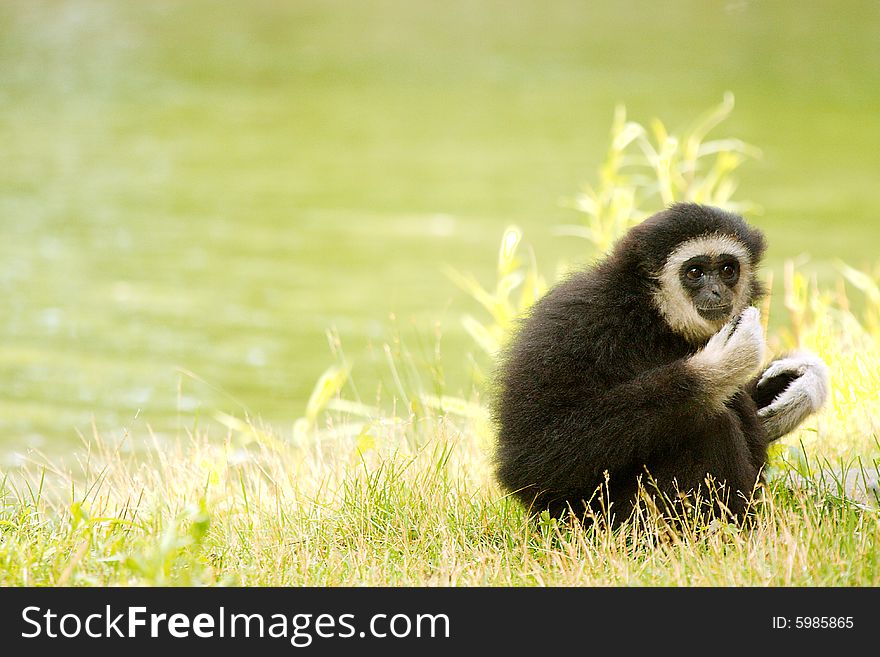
(757, 245)
(758, 290)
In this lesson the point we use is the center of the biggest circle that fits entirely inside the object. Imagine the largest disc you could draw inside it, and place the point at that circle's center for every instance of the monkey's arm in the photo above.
(655, 411)
(788, 391)
(651, 413)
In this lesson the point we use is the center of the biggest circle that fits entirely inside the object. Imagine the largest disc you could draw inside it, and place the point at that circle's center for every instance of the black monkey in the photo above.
(648, 367)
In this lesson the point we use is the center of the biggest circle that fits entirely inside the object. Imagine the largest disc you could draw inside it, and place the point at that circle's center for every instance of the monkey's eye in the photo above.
(694, 273)
(728, 271)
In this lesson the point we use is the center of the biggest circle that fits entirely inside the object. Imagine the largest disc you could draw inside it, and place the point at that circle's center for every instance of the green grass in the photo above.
(363, 496)
(200, 512)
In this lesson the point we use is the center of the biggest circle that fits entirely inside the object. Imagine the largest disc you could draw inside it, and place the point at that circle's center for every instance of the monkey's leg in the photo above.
(789, 390)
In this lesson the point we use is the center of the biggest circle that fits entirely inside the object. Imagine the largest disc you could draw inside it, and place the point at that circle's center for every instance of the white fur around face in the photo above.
(675, 303)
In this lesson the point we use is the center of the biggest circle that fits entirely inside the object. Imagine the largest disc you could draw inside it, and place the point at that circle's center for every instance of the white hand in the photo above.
(804, 395)
(732, 356)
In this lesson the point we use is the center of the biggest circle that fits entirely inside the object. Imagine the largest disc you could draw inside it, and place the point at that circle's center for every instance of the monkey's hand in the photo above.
(732, 356)
(788, 391)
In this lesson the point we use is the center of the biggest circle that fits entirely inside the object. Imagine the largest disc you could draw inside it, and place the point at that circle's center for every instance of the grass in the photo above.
(207, 513)
(357, 495)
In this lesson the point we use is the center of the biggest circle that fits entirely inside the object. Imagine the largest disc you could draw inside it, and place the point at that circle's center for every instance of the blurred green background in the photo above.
(192, 192)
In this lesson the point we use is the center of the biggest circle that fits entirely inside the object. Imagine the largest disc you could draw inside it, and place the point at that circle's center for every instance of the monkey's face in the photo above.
(711, 282)
(705, 282)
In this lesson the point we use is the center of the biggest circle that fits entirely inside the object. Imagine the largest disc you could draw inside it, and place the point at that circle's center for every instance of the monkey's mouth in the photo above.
(715, 313)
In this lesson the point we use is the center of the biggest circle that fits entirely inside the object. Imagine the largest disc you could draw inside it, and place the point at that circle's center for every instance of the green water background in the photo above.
(191, 193)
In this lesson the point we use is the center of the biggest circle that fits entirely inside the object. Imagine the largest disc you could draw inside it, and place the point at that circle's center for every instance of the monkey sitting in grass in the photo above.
(646, 371)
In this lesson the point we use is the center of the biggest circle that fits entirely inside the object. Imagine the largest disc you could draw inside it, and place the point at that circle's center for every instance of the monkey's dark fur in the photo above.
(596, 382)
